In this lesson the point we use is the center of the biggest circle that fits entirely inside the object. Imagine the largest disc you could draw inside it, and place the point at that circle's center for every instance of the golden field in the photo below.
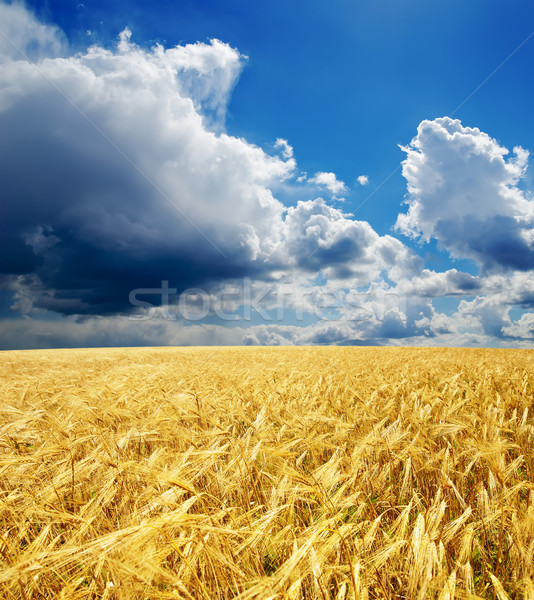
(267, 473)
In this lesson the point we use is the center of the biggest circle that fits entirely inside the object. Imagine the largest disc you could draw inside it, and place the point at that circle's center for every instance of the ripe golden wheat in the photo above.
(280, 473)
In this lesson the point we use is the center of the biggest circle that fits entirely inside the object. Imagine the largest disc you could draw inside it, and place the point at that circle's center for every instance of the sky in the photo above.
(221, 173)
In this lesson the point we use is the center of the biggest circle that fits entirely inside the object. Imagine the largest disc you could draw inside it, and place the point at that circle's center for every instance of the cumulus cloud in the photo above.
(431, 284)
(463, 191)
(117, 174)
(22, 35)
(363, 179)
(523, 328)
(320, 236)
(330, 182)
(130, 184)
(284, 147)
(486, 314)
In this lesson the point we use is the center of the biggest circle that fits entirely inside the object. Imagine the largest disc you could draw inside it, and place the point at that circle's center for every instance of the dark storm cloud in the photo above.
(78, 216)
(80, 225)
(114, 179)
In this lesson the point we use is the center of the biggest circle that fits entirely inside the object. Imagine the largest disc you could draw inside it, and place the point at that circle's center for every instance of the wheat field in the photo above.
(267, 473)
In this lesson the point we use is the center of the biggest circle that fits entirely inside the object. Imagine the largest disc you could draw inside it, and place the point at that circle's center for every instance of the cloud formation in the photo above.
(22, 34)
(330, 182)
(522, 329)
(284, 147)
(118, 174)
(113, 176)
(463, 191)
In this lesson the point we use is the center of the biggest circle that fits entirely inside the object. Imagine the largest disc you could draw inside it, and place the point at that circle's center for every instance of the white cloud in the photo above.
(330, 182)
(284, 147)
(463, 192)
(513, 288)
(321, 237)
(486, 314)
(434, 285)
(363, 179)
(523, 328)
(21, 32)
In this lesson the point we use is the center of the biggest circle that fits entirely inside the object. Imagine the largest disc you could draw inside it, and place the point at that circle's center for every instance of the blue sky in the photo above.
(345, 82)
(257, 143)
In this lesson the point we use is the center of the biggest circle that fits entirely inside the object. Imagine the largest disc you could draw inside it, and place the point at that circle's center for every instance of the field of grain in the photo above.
(267, 473)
